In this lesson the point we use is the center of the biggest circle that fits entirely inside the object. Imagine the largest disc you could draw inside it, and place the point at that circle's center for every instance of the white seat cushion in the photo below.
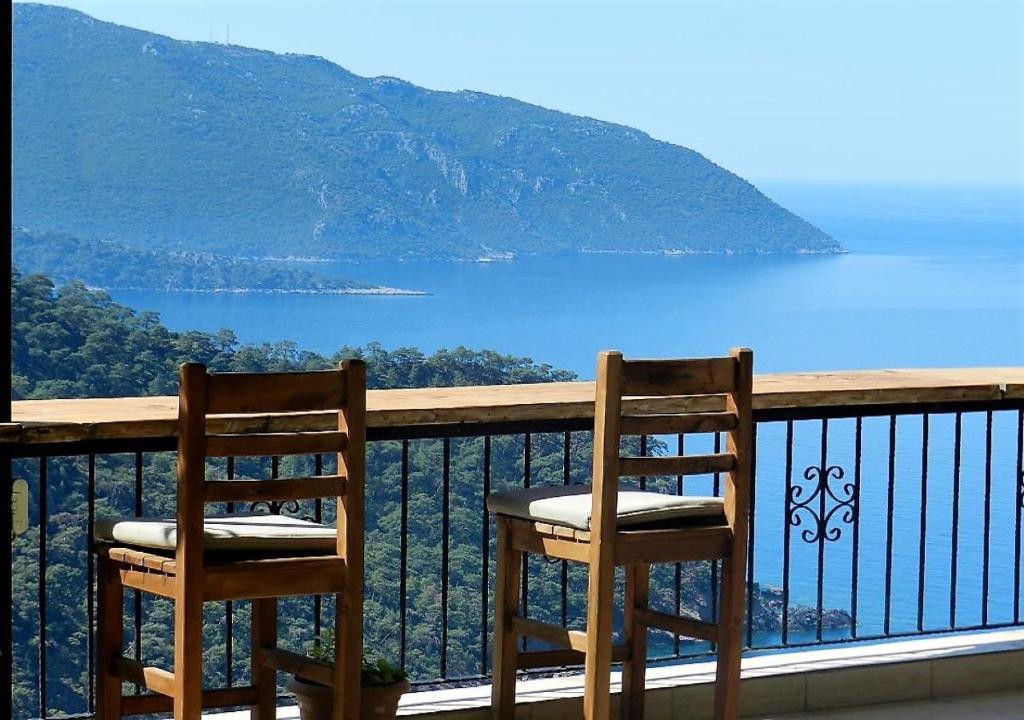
(570, 506)
(241, 532)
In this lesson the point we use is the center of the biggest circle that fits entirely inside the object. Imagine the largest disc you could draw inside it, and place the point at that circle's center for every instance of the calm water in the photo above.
(933, 288)
(908, 294)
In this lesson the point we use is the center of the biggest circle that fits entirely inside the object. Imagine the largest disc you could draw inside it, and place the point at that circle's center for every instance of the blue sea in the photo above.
(933, 277)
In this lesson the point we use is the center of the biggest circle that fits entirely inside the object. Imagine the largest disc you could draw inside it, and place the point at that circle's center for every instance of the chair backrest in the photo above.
(203, 395)
(660, 397)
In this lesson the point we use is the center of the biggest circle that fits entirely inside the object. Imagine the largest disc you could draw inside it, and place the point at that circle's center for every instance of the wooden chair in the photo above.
(605, 528)
(194, 559)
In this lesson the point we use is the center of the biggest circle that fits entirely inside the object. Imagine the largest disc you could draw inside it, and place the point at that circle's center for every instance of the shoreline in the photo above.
(383, 291)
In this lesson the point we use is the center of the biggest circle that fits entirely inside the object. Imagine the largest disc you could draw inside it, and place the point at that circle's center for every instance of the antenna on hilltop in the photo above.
(227, 34)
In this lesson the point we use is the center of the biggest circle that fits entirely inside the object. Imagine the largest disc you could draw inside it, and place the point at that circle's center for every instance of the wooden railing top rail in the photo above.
(50, 421)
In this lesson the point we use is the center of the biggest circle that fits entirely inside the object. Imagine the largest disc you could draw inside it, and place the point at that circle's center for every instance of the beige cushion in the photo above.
(243, 532)
(570, 506)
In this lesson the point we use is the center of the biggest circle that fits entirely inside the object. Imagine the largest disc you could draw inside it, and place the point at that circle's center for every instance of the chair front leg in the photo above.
(264, 677)
(634, 671)
(110, 641)
(730, 639)
(598, 667)
(188, 655)
(506, 605)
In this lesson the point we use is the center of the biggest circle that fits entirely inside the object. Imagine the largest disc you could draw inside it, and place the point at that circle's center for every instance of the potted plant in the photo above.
(383, 685)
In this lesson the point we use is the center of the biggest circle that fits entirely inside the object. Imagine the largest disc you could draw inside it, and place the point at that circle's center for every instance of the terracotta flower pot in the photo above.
(315, 700)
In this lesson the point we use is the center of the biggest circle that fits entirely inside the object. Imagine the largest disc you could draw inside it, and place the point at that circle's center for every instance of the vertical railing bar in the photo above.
(1017, 523)
(716, 486)
(137, 601)
(786, 532)
(445, 531)
(922, 557)
(987, 544)
(890, 509)
(229, 608)
(750, 536)
(90, 580)
(485, 552)
(403, 557)
(43, 526)
(527, 462)
(678, 580)
(955, 533)
(643, 452)
(855, 552)
(822, 494)
(318, 517)
(566, 479)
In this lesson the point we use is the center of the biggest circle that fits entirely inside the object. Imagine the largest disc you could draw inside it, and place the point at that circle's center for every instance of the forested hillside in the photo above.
(116, 266)
(142, 139)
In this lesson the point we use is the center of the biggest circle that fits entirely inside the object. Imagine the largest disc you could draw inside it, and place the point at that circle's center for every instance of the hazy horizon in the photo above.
(786, 92)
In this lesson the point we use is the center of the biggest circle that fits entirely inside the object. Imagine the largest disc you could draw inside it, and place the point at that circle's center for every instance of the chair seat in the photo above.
(571, 505)
(235, 532)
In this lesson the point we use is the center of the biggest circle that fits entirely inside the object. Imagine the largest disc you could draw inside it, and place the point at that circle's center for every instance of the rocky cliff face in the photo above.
(139, 138)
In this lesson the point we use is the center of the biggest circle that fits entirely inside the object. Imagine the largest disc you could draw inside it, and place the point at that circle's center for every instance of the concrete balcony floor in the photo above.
(988, 706)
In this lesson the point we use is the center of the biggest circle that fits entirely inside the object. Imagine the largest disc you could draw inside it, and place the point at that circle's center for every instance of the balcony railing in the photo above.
(885, 504)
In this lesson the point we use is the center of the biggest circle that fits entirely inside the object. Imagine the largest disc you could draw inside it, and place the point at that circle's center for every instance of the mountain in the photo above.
(150, 141)
(114, 266)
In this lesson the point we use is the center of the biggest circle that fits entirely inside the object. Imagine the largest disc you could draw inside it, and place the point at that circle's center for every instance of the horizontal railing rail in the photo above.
(878, 513)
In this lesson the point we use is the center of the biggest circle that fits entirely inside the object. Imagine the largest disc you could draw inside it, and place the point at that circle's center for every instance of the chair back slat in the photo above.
(702, 376)
(662, 424)
(241, 393)
(631, 466)
(249, 491)
(266, 444)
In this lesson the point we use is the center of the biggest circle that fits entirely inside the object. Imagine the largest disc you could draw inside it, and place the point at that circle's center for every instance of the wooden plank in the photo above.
(676, 465)
(299, 665)
(139, 558)
(280, 489)
(276, 577)
(526, 539)
(687, 627)
(677, 424)
(536, 659)
(700, 376)
(239, 393)
(662, 546)
(151, 678)
(151, 582)
(552, 634)
(69, 420)
(266, 444)
(218, 698)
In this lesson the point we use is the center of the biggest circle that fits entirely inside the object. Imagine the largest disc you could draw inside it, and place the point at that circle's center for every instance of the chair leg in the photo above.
(348, 658)
(598, 666)
(188, 654)
(506, 604)
(109, 640)
(264, 678)
(634, 671)
(730, 638)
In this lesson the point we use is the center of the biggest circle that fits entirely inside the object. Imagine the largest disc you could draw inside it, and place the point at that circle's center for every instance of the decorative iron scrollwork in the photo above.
(275, 507)
(843, 508)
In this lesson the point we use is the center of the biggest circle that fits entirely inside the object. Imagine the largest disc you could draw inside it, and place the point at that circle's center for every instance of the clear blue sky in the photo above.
(775, 90)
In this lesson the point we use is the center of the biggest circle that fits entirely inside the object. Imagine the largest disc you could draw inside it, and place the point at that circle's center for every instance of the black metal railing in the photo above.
(868, 522)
